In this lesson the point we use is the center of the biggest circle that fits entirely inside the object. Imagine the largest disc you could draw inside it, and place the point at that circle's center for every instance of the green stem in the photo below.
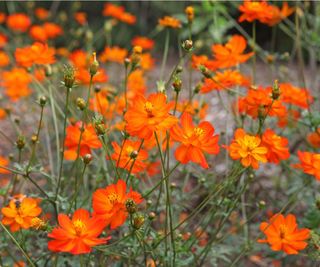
(165, 53)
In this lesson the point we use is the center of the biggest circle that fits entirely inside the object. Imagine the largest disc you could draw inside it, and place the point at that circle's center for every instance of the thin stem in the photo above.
(165, 53)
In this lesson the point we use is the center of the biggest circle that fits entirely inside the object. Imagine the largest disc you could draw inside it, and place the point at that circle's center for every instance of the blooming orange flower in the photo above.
(136, 84)
(277, 146)
(248, 149)
(144, 42)
(114, 54)
(294, 95)
(255, 10)
(277, 15)
(79, 59)
(16, 83)
(38, 33)
(129, 155)
(42, 13)
(170, 22)
(4, 59)
(118, 12)
(46, 31)
(289, 119)
(146, 61)
(3, 40)
(282, 233)
(259, 101)
(231, 53)
(309, 163)
(3, 17)
(37, 53)
(314, 138)
(194, 141)
(83, 76)
(89, 140)
(81, 17)
(18, 22)
(20, 213)
(109, 203)
(78, 235)
(198, 60)
(224, 80)
(3, 163)
(3, 114)
(146, 116)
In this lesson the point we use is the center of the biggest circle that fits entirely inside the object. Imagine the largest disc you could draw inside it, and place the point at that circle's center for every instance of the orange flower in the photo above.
(37, 53)
(194, 141)
(259, 101)
(52, 30)
(224, 80)
(146, 61)
(89, 140)
(146, 116)
(78, 235)
(255, 10)
(18, 22)
(3, 40)
(20, 213)
(81, 17)
(130, 155)
(294, 95)
(16, 83)
(109, 203)
(231, 53)
(277, 15)
(170, 22)
(282, 233)
(79, 59)
(309, 163)
(118, 12)
(144, 42)
(83, 76)
(136, 84)
(114, 54)
(38, 33)
(3, 163)
(290, 118)
(4, 59)
(314, 138)
(42, 13)
(277, 146)
(199, 60)
(100, 103)
(3, 17)
(3, 114)
(248, 149)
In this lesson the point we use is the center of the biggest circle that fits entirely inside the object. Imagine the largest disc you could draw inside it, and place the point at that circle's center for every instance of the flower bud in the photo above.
(97, 88)
(131, 206)
(38, 224)
(21, 142)
(81, 103)
(190, 13)
(152, 216)
(34, 139)
(87, 158)
(173, 185)
(94, 65)
(177, 83)
(68, 76)
(262, 204)
(275, 90)
(100, 129)
(126, 62)
(138, 221)
(205, 72)
(179, 69)
(187, 45)
(42, 101)
(197, 89)
(134, 154)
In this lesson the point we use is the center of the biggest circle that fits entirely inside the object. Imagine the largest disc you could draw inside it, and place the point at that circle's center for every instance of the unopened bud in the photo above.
(81, 103)
(42, 101)
(173, 185)
(179, 69)
(21, 142)
(205, 72)
(187, 45)
(34, 139)
(68, 76)
(275, 90)
(94, 65)
(197, 89)
(97, 88)
(138, 221)
(262, 204)
(131, 206)
(134, 154)
(177, 83)
(100, 129)
(38, 224)
(126, 62)
(48, 70)
(152, 216)
(87, 158)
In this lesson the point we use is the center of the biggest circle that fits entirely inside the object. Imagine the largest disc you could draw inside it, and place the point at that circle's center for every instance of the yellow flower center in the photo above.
(113, 198)
(129, 150)
(79, 226)
(283, 230)
(148, 108)
(198, 131)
